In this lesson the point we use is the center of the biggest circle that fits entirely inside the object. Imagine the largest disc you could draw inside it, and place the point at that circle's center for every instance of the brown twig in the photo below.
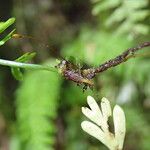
(129, 53)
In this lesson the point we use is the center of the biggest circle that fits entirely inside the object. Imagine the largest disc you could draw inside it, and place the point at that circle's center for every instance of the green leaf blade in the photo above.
(17, 74)
(16, 71)
(5, 25)
(7, 37)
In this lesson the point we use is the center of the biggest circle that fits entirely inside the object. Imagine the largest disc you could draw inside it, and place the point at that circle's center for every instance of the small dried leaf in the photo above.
(93, 130)
(93, 105)
(106, 108)
(119, 125)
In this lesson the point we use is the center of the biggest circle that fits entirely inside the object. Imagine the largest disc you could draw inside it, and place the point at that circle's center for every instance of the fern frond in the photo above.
(37, 102)
(128, 14)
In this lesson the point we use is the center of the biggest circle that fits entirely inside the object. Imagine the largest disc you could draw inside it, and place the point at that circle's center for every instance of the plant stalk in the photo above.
(26, 65)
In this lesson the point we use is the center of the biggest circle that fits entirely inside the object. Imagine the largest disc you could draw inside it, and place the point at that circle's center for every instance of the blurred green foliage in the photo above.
(3, 27)
(46, 111)
(37, 105)
(127, 15)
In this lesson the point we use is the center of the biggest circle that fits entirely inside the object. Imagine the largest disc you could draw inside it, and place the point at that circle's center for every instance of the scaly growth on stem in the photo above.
(84, 76)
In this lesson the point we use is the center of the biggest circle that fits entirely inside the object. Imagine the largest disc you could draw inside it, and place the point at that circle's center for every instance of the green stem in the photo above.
(26, 65)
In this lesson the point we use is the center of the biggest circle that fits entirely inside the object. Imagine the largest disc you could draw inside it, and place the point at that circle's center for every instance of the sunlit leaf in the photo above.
(101, 6)
(141, 28)
(140, 15)
(5, 25)
(7, 37)
(118, 15)
(26, 57)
